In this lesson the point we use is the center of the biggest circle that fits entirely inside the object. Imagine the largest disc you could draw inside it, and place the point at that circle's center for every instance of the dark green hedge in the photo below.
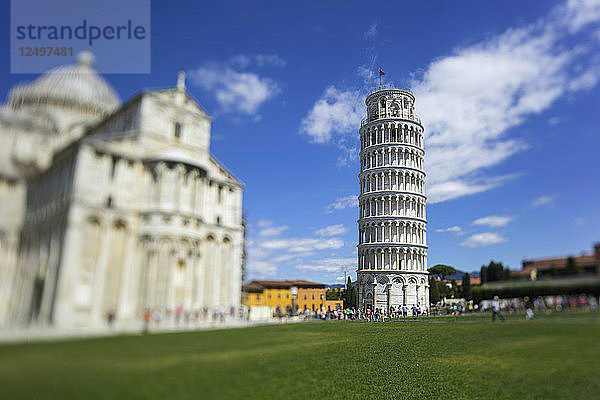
(549, 289)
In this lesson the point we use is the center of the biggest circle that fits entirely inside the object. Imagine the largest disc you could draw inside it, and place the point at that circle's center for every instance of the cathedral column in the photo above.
(97, 315)
(216, 273)
(50, 274)
(126, 307)
(190, 283)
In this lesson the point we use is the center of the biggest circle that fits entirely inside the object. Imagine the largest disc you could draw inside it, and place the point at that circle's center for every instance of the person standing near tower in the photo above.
(496, 309)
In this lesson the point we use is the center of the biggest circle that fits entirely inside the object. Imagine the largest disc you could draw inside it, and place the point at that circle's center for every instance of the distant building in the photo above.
(110, 209)
(287, 295)
(556, 266)
(448, 282)
(474, 282)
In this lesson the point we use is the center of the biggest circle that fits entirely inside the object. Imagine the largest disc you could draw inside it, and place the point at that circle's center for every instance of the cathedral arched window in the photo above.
(113, 167)
(177, 130)
(120, 224)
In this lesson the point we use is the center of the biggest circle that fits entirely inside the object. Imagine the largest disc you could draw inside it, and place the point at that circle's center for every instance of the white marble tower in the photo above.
(392, 245)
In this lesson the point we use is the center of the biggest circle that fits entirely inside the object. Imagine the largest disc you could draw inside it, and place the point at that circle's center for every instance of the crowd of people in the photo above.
(545, 304)
(454, 309)
(496, 306)
(178, 317)
(365, 314)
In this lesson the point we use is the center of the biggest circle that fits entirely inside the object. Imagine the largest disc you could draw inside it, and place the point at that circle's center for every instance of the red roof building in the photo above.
(533, 269)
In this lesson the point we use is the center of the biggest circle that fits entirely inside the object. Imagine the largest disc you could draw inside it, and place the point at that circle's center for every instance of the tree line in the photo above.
(438, 289)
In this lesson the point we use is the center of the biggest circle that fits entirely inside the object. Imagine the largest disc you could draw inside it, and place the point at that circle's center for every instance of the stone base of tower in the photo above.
(385, 289)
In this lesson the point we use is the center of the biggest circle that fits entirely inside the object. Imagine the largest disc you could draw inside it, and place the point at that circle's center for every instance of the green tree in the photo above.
(443, 289)
(494, 272)
(332, 294)
(466, 287)
(454, 288)
(354, 297)
(348, 293)
(572, 268)
(434, 291)
(483, 275)
(442, 270)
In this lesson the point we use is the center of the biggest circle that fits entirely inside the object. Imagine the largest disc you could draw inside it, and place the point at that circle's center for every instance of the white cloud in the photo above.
(329, 265)
(260, 269)
(264, 223)
(341, 203)
(483, 239)
(554, 121)
(269, 59)
(304, 245)
(284, 257)
(494, 221)
(367, 73)
(372, 31)
(273, 230)
(332, 230)
(579, 13)
(300, 245)
(470, 99)
(453, 188)
(542, 201)
(268, 253)
(586, 80)
(579, 221)
(265, 256)
(347, 154)
(234, 90)
(260, 60)
(336, 112)
(257, 252)
(457, 230)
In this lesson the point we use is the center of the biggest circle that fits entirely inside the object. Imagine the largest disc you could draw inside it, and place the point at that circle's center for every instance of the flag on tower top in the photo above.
(381, 72)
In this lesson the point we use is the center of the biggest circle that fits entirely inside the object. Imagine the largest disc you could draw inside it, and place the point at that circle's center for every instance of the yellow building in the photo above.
(285, 295)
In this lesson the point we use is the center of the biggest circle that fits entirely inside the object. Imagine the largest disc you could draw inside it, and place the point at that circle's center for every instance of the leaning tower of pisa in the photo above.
(392, 245)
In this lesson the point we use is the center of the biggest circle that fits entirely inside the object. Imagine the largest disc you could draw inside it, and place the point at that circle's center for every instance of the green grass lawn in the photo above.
(548, 358)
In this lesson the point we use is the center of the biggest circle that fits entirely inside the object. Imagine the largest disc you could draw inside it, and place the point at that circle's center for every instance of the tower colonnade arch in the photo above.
(391, 204)
(391, 155)
(406, 180)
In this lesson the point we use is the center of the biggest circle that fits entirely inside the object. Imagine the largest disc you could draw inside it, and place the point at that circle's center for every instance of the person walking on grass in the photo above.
(529, 314)
(147, 317)
(496, 309)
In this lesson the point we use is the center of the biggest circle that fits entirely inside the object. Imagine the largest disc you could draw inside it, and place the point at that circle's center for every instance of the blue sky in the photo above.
(508, 93)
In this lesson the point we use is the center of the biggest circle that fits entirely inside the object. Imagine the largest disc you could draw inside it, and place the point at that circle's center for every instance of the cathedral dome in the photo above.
(77, 87)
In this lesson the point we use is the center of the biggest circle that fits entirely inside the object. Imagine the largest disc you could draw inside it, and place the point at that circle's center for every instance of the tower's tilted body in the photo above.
(392, 246)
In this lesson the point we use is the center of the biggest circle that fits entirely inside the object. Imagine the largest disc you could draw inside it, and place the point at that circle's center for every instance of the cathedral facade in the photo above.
(112, 209)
